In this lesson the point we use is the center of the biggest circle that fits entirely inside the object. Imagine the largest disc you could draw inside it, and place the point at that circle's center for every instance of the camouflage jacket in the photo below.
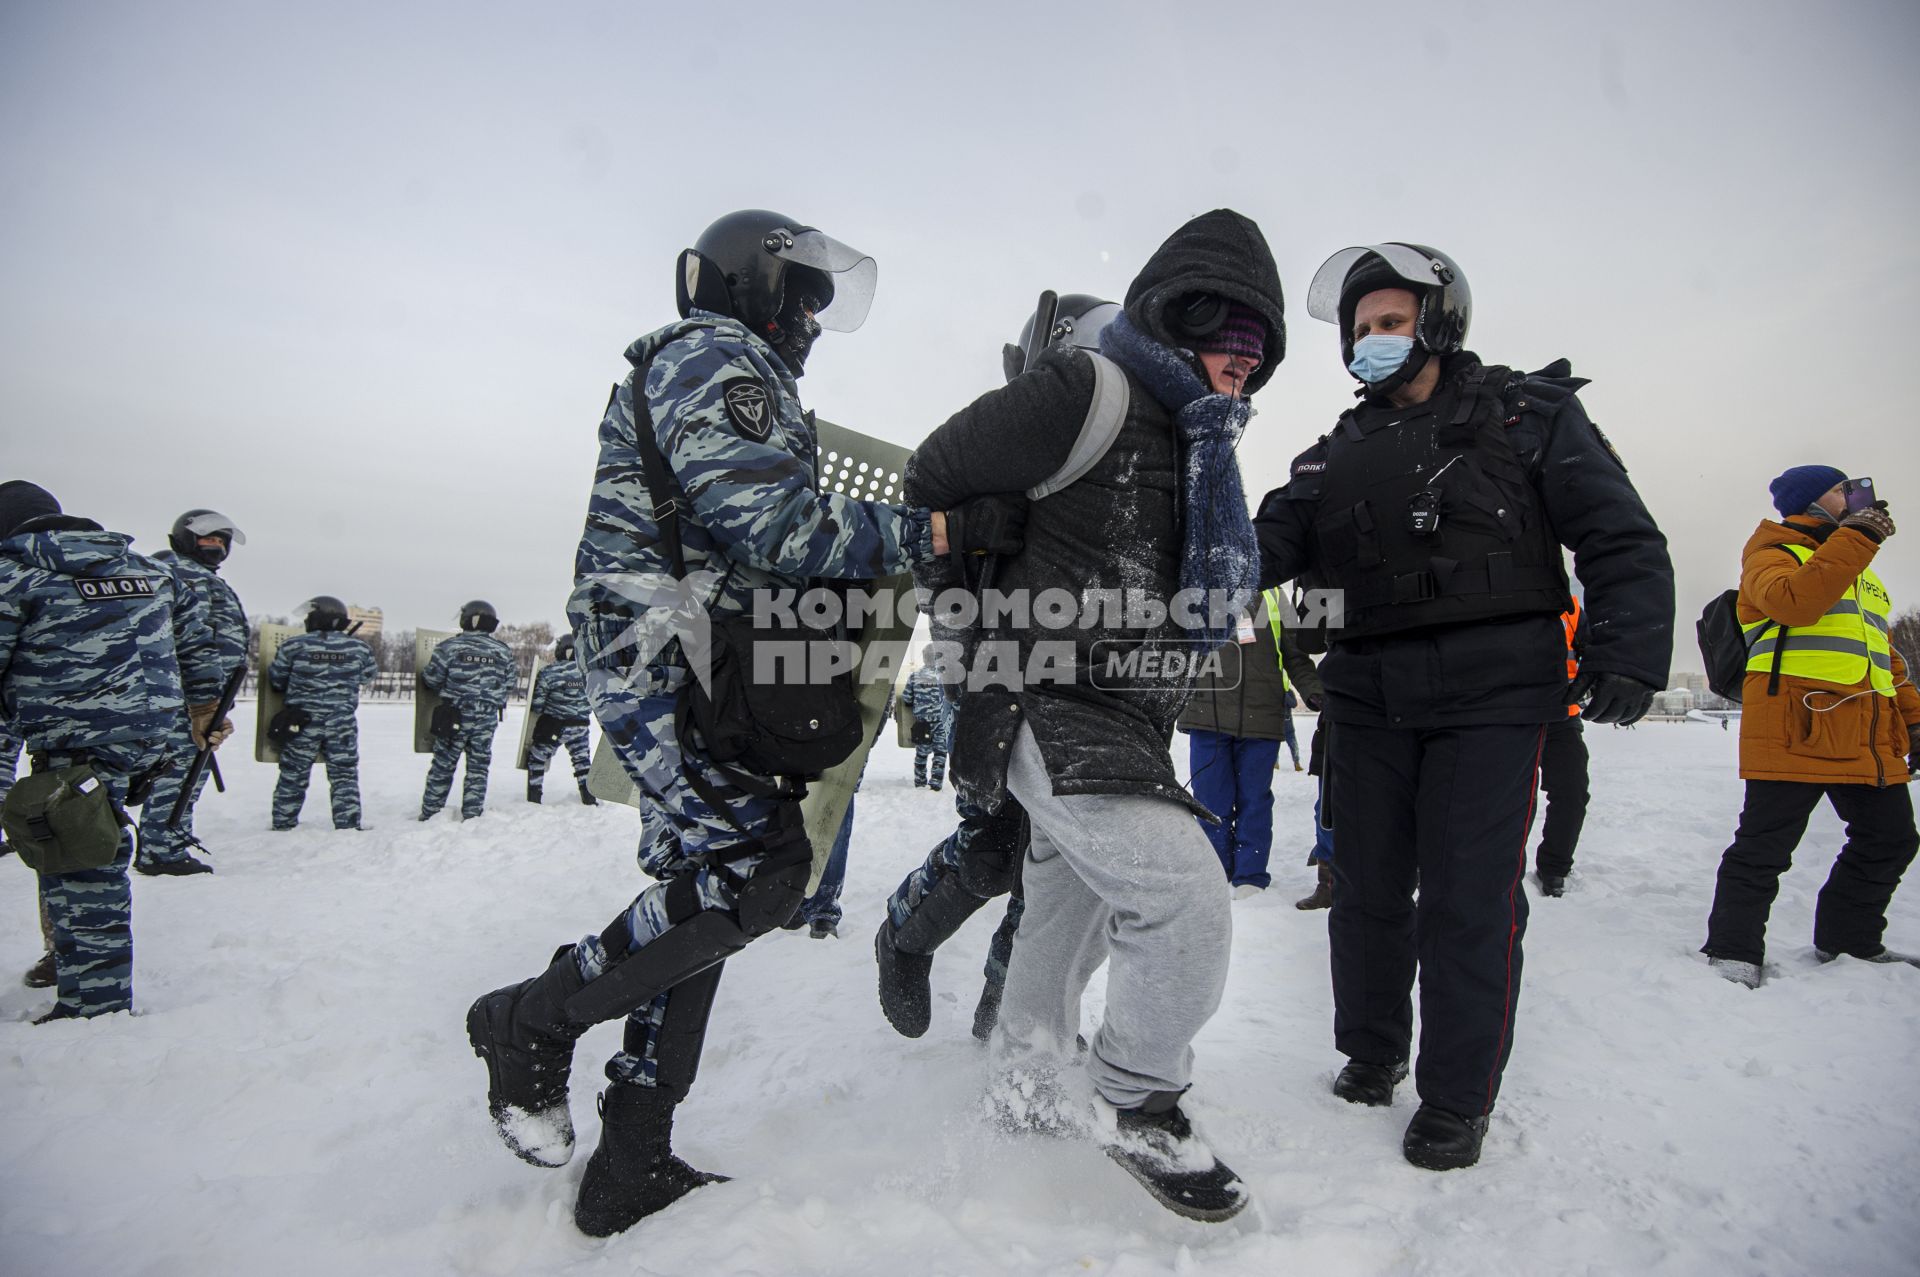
(473, 670)
(224, 613)
(97, 644)
(560, 690)
(323, 673)
(727, 417)
(928, 704)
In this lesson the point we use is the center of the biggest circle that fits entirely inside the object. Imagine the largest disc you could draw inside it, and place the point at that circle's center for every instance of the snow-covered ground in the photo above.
(296, 1094)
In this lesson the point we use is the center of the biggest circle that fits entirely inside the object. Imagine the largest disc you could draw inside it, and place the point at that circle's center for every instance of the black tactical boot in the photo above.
(1437, 1140)
(1322, 895)
(586, 796)
(526, 1039)
(1157, 1146)
(533, 790)
(181, 868)
(41, 974)
(633, 1172)
(1372, 1084)
(1554, 885)
(906, 984)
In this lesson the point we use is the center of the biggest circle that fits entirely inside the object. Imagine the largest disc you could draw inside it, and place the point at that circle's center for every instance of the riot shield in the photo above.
(526, 720)
(425, 699)
(267, 702)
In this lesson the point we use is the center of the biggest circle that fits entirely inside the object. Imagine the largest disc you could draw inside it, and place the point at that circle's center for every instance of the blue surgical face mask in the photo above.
(1377, 357)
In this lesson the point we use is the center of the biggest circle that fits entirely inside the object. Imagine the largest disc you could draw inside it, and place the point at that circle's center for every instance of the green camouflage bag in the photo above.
(63, 820)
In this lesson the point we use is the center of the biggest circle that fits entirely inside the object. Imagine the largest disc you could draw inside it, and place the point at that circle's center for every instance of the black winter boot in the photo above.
(1322, 894)
(906, 984)
(533, 790)
(526, 1039)
(1372, 1084)
(1157, 1146)
(987, 1014)
(586, 796)
(1437, 1140)
(1554, 885)
(633, 1172)
(41, 974)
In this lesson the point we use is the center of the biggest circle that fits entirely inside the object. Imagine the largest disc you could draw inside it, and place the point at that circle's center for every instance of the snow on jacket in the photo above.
(1248, 696)
(1811, 731)
(98, 645)
(1117, 529)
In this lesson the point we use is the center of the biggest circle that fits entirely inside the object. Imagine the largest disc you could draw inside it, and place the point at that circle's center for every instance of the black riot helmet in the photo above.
(1446, 303)
(324, 612)
(479, 615)
(780, 277)
(1079, 321)
(194, 524)
(563, 648)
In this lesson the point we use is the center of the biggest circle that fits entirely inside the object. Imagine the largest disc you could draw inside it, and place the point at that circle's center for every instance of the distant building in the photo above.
(1677, 700)
(368, 619)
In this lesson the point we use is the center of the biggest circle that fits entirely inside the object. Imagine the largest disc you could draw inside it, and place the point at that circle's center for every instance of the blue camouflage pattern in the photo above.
(560, 691)
(100, 649)
(228, 620)
(97, 644)
(475, 672)
(322, 674)
(754, 516)
(9, 758)
(928, 703)
(981, 850)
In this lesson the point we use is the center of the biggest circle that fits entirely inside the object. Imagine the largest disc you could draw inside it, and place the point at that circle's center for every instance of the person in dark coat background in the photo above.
(1438, 507)
(1235, 722)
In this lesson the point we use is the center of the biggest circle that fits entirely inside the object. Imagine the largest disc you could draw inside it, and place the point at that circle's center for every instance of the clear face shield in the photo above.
(850, 273)
(1419, 270)
(215, 524)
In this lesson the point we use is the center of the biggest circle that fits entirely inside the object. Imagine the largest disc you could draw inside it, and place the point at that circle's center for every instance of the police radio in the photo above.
(1423, 512)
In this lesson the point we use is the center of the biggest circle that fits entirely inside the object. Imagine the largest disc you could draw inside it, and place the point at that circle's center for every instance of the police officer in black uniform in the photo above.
(1438, 505)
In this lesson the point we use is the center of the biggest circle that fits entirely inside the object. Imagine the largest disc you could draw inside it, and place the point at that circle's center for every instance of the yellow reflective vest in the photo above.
(1843, 646)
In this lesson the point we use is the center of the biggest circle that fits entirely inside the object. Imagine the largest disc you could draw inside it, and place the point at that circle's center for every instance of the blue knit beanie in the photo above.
(1801, 486)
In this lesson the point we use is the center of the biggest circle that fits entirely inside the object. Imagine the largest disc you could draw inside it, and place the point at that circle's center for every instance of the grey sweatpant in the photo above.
(1125, 876)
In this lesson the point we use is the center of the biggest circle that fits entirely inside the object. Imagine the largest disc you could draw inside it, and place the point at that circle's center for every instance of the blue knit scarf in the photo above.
(1219, 553)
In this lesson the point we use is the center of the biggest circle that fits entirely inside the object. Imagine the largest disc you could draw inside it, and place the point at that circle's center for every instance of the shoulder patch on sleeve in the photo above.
(750, 408)
(1607, 443)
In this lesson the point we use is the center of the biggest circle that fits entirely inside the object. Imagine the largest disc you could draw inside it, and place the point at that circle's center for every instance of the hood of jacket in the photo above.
(71, 552)
(1222, 253)
(645, 348)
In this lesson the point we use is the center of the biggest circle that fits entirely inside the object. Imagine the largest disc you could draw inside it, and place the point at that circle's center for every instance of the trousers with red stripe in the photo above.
(1431, 830)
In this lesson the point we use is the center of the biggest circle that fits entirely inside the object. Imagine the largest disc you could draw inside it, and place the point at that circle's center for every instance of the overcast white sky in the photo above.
(359, 275)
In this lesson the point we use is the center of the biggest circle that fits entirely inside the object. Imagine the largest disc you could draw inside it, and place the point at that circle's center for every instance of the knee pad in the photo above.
(676, 1042)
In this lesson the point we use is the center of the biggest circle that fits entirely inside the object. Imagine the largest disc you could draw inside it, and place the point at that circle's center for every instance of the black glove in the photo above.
(988, 525)
(1611, 698)
(1314, 702)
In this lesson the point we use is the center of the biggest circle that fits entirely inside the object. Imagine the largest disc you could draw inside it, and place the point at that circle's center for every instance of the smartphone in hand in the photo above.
(1860, 495)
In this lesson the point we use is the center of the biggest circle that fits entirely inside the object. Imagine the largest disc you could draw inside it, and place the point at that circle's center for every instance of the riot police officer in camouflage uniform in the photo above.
(200, 542)
(100, 650)
(560, 696)
(321, 673)
(713, 402)
(474, 672)
(1438, 506)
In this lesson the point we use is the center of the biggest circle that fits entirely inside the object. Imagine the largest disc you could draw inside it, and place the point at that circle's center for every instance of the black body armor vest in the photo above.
(1427, 517)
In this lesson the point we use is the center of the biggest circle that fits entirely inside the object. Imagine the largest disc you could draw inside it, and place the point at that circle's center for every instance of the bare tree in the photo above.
(1906, 637)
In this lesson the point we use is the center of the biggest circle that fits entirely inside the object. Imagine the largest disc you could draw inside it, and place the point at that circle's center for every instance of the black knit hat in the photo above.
(21, 503)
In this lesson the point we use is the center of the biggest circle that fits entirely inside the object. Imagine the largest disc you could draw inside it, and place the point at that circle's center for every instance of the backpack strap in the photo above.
(661, 491)
(1105, 415)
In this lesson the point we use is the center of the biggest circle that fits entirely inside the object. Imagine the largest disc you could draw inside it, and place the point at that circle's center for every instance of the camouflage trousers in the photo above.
(677, 826)
(929, 766)
(338, 740)
(474, 738)
(981, 856)
(539, 756)
(91, 912)
(9, 762)
(157, 842)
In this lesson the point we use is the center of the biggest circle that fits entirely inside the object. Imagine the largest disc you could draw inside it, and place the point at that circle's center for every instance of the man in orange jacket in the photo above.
(1826, 710)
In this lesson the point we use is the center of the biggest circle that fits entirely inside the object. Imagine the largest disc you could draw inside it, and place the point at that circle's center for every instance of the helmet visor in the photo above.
(213, 523)
(852, 273)
(1330, 281)
(1085, 330)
